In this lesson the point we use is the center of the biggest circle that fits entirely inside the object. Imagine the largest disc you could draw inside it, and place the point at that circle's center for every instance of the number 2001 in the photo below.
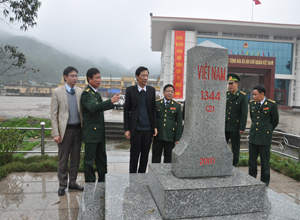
(204, 161)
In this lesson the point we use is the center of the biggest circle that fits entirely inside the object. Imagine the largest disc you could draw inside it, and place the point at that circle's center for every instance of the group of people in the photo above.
(77, 116)
(264, 119)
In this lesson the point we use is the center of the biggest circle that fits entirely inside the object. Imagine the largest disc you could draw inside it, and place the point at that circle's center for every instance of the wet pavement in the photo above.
(34, 195)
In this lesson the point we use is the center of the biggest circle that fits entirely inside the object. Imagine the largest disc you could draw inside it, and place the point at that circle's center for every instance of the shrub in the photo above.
(28, 122)
(10, 141)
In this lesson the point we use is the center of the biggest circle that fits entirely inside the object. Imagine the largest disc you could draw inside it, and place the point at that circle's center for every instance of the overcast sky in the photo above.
(120, 30)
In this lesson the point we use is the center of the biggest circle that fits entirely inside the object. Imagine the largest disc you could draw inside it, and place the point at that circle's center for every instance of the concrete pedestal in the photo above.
(127, 197)
(217, 196)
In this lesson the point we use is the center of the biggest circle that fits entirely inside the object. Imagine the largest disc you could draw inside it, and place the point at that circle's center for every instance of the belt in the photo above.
(73, 126)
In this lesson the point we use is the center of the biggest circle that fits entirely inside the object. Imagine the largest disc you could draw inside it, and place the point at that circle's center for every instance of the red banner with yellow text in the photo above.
(179, 63)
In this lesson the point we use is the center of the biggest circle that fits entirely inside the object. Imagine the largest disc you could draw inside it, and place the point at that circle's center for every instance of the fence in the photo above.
(42, 140)
(283, 142)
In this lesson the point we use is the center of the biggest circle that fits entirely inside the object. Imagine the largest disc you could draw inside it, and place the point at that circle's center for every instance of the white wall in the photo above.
(297, 75)
(167, 58)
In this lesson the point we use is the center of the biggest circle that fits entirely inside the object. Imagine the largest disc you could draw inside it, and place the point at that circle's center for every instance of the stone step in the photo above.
(115, 137)
(114, 131)
(127, 196)
(114, 125)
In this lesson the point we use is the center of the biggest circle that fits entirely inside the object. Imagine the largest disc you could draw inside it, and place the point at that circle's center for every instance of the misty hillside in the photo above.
(50, 61)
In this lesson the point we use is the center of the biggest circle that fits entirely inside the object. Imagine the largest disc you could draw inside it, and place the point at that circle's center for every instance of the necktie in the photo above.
(72, 91)
(167, 104)
(259, 104)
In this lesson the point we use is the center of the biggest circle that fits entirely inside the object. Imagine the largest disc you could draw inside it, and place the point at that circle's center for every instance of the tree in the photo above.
(11, 58)
(25, 12)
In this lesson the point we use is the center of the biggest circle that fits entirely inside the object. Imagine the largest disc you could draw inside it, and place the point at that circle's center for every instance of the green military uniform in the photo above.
(236, 120)
(93, 133)
(169, 128)
(264, 120)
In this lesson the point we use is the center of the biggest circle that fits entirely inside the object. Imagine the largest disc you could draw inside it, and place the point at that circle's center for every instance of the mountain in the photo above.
(50, 61)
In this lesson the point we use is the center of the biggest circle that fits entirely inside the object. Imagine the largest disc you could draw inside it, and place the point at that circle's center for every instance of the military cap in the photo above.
(232, 78)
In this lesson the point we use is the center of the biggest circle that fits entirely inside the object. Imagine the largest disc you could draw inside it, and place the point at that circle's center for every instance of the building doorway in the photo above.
(253, 70)
(247, 83)
(280, 96)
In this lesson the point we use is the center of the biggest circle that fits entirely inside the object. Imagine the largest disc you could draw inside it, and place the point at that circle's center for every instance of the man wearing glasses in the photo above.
(169, 126)
(66, 121)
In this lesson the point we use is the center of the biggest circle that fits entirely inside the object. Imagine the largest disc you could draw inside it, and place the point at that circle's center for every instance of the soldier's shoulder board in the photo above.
(252, 100)
(87, 90)
(177, 102)
(158, 100)
(270, 100)
(242, 93)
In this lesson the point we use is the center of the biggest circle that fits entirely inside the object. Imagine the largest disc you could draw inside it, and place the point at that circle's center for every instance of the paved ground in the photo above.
(34, 195)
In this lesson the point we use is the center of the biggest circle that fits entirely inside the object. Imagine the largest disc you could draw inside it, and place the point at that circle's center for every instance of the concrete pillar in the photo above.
(291, 93)
(297, 73)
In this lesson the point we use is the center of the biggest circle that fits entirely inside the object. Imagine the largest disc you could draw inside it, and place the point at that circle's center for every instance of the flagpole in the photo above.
(252, 10)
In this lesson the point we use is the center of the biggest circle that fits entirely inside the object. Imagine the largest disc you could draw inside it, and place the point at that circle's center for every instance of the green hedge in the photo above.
(28, 122)
(286, 166)
(33, 164)
(47, 163)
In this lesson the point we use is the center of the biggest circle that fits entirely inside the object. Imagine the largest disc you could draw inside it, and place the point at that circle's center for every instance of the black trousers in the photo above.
(264, 152)
(140, 146)
(95, 152)
(158, 147)
(235, 138)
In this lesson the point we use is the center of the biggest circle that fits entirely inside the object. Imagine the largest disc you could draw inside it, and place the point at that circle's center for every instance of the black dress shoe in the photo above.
(76, 187)
(61, 192)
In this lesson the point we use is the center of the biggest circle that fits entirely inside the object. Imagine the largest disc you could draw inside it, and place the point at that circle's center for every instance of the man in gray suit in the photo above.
(66, 120)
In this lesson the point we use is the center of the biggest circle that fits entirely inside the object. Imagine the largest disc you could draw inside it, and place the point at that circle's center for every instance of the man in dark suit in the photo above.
(236, 115)
(169, 126)
(265, 118)
(140, 120)
(93, 128)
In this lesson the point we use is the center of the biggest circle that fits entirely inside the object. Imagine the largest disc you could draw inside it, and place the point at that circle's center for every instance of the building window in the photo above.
(116, 82)
(208, 33)
(224, 34)
(127, 84)
(105, 82)
(283, 52)
(283, 38)
(152, 84)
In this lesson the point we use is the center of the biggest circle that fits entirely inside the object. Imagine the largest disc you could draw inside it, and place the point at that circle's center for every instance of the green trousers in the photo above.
(235, 138)
(158, 147)
(95, 152)
(264, 152)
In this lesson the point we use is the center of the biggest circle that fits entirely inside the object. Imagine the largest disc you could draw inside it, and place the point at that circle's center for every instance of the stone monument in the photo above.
(202, 181)
(202, 150)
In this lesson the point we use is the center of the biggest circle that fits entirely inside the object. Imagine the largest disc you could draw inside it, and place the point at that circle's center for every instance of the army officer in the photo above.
(93, 128)
(169, 126)
(264, 116)
(236, 115)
